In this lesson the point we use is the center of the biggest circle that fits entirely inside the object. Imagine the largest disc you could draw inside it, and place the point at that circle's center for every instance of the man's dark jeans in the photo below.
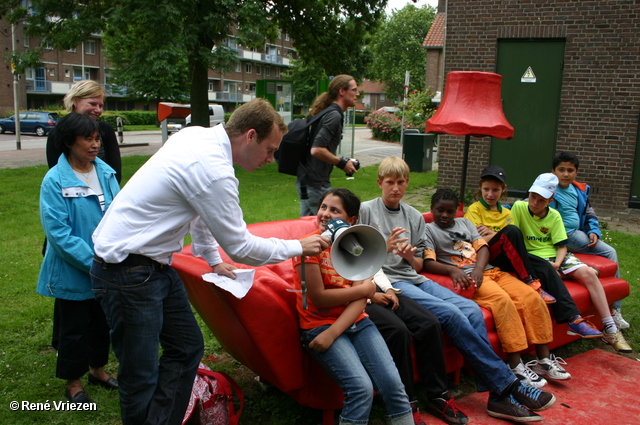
(146, 307)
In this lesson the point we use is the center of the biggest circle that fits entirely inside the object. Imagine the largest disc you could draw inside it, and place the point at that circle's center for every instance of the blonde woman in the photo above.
(86, 97)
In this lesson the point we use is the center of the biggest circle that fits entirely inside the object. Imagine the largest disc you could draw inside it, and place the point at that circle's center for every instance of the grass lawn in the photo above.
(27, 361)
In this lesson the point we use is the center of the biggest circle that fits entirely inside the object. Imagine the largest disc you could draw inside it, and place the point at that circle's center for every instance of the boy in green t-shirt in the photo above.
(545, 236)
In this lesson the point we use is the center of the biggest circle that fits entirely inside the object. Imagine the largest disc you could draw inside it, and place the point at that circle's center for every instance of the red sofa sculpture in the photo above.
(261, 330)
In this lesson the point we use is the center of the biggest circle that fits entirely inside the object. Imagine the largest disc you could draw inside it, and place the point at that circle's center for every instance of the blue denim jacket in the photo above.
(70, 211)
(588, 219)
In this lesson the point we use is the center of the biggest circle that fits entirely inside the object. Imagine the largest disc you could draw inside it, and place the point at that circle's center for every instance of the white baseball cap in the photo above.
(545, 185)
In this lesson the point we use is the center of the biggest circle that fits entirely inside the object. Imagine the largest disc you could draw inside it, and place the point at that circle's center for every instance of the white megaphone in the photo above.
(357, 252)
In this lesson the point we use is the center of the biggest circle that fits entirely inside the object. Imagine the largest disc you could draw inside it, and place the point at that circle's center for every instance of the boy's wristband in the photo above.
(342, 163)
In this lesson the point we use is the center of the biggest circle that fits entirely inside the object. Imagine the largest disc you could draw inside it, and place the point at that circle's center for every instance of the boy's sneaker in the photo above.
(584, 328)
(546, 297)
(509, 408)
(447, 408)
(550, 368)
(617, 341)
(531, 397)
(528, 376)
(620, 322)
(415, 411)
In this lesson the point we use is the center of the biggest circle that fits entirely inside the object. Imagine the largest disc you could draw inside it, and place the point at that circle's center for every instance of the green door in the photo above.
(531, 72)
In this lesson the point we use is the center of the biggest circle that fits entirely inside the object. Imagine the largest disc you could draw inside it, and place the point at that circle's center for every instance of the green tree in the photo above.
(305, 78)
(396, 47)
(163, 49)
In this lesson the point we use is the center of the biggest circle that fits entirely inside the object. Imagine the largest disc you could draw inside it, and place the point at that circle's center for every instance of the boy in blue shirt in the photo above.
(580, 220)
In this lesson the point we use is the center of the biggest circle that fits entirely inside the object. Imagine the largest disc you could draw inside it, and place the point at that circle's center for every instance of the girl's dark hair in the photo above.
(350, 202)
(444, 195)
(71, 126)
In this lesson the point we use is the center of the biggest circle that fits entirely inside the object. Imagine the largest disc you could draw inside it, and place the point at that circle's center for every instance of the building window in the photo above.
(77, 74)
(211, 88)
(267, 71)
(383, 97)
(72, 50)
(247, 68)
(286, 37)
(258, 70)
(238, 68)
(231, 43)
(52, 72)
(252, 88)
(25, 40)
(90, 47)
(276, 72)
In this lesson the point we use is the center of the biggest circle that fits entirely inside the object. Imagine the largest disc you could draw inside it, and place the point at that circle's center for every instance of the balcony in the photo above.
(220, 96)
(63, 87)
(263, 57)
(38, 86)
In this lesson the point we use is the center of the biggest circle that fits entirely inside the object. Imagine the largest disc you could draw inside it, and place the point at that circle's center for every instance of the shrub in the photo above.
(386, 126)
(130, 117)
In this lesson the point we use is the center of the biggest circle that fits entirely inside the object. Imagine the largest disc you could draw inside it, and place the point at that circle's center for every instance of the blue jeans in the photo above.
(147, 306)
(359, 362)
(462, 321)
(312, 195)
(578, 241)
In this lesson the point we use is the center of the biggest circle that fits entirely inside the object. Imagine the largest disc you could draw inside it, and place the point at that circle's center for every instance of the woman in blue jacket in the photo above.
(73, 198)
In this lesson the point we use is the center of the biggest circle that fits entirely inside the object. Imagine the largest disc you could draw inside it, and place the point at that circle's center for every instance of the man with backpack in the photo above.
(313, 174)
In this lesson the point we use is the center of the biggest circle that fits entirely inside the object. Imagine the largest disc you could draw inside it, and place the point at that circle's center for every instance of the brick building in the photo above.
(374, 96)
(571, 81)
(44, 87)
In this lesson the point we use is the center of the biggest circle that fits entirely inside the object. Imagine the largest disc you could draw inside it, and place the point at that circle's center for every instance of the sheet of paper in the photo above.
(238, 286)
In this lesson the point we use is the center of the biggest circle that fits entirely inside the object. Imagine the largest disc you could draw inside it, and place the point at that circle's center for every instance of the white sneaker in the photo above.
(550, 368)
(528, 376)
(619, 320)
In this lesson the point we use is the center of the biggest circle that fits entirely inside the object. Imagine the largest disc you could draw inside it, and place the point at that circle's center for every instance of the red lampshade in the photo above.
(472, 105)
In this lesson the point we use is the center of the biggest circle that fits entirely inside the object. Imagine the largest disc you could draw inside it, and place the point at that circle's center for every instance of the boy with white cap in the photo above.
(546, 237)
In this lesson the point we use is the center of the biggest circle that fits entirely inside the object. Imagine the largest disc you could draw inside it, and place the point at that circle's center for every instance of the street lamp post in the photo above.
(16, 99)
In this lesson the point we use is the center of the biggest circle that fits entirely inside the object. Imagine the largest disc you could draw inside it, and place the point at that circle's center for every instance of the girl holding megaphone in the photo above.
(339, 334)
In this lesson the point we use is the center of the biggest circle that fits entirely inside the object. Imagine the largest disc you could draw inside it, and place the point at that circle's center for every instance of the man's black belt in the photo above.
(134, 260)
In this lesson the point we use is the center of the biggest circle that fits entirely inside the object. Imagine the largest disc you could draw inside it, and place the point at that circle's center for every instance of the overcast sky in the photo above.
(399, 4)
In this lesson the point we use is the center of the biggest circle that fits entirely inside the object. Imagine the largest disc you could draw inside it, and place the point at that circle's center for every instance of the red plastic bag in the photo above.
(211, 401)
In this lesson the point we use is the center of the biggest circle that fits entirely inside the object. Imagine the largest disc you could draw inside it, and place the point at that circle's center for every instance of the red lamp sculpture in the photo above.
(471, 106)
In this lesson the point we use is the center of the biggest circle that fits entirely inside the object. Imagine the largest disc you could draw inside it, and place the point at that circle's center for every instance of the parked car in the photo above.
(38, 122)
(216, 115)
(173, 127)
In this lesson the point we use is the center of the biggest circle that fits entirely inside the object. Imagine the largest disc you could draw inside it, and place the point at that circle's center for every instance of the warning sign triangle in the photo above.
(528, 76)
(529, 73)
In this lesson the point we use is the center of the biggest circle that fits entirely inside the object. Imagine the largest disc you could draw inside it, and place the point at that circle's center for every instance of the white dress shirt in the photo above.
(189, 185)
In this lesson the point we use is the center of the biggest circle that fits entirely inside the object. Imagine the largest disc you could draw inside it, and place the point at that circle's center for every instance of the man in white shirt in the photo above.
(189, 185)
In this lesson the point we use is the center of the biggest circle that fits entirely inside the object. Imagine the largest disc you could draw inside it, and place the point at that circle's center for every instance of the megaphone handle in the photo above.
(303, 284)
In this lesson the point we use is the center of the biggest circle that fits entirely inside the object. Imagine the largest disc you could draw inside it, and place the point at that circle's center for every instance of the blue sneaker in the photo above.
(533, 398)
(509, 408)
(584, 328)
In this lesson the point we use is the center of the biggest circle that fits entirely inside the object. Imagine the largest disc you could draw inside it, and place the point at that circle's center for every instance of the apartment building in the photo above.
(44, 87)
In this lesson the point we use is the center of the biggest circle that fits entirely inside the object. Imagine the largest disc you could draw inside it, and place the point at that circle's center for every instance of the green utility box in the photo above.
(417, 151)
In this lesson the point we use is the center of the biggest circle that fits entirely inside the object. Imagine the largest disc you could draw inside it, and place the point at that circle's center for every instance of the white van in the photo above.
(216, 115)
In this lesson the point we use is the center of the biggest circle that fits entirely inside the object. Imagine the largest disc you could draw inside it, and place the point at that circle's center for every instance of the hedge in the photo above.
(130, 117)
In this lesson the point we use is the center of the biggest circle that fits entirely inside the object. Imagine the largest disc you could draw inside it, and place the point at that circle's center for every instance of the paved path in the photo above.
(365, 149)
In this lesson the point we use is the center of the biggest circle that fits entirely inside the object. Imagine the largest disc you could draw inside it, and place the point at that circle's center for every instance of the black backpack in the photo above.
(297, 142)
